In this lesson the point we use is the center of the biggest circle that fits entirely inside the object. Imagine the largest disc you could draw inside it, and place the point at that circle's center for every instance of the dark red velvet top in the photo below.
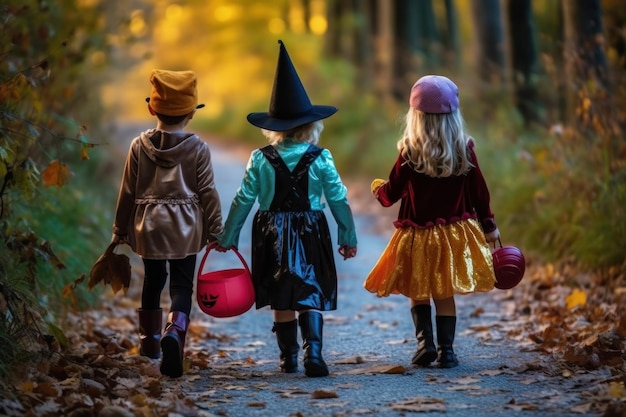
(427, 201)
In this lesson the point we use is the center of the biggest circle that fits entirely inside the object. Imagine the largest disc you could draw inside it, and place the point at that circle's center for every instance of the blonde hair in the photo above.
(435, 144)
(308, 133)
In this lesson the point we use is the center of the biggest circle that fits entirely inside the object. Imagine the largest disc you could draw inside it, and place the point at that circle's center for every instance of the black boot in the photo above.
(287, 338)
(426, 351)
(173, 344)
(446, 327)
(311, 324)
(150, 326)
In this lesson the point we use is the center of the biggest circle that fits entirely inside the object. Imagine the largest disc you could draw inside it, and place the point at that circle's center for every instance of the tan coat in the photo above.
(168, 206)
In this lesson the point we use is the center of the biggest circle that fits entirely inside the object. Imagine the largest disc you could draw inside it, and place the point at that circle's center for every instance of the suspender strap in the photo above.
(291, 187)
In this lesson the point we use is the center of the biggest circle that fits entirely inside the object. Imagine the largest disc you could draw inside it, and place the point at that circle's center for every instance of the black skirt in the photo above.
(293, 267)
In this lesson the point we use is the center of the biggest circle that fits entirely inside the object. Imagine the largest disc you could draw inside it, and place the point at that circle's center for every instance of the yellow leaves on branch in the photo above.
(56, 174)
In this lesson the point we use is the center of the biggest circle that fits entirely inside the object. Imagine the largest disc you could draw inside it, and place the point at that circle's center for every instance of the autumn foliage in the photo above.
(44, 118)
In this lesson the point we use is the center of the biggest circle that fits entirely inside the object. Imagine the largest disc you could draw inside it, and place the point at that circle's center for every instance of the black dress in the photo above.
(293, 267)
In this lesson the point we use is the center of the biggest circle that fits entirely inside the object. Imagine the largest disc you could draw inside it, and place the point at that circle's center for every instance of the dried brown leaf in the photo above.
(378, 369)
(420, 404)
(320, 394)
(47, 389)
(350, 360)
(56, 174)
(112, 269)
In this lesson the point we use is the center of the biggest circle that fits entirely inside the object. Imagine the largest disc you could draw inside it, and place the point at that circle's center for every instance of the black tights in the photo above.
(181, 283)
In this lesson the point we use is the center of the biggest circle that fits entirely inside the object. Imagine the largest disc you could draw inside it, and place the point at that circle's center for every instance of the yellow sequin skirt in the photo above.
(436, 262)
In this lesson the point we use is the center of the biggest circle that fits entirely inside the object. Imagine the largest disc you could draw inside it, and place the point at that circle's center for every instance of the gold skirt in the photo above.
(436, 262)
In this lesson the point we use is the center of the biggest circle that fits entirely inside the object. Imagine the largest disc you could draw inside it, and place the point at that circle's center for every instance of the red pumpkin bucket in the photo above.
(225, 293)
(509, 265)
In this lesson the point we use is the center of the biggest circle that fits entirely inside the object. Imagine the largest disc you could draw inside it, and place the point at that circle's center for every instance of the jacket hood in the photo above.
(167, 149)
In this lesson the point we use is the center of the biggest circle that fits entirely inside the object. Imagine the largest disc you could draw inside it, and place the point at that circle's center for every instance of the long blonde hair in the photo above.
(435, 144)
(308, 133)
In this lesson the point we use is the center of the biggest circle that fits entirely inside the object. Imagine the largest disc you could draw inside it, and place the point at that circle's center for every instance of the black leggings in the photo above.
(181, 283)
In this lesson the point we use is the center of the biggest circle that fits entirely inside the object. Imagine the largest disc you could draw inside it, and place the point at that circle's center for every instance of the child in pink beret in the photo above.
(440, 246)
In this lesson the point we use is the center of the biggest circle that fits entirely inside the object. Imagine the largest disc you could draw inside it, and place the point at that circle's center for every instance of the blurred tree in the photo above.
(523, 57)
(385, 51)
(490, 45)
(450, 37)
(416, 42)
(350, 30)
(585, 62)
(614, 17)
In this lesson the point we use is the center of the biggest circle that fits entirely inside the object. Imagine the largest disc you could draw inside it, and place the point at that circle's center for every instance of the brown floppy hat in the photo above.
(174, 93)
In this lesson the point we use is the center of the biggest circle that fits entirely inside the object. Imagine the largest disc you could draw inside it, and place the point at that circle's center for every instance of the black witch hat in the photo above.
(290, 106)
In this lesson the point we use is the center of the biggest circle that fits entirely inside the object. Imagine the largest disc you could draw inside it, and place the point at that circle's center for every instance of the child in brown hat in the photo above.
(167, 210)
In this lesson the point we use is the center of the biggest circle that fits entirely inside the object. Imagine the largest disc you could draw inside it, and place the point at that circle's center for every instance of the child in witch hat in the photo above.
(293, 267)
(167, 210)
(439, 247)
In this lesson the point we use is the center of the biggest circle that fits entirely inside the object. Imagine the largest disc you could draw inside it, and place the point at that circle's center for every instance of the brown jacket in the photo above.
(168, 206)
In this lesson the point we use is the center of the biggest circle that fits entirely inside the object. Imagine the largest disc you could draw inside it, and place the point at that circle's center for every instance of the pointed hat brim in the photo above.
(265, 121)
(290, 106)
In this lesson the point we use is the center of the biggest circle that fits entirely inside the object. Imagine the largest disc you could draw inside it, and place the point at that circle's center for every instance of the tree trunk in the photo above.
(490, 41)
(416, 42)
(333, 33)
(523, 57)
(363, 42)
(451, 36)
(306, 11)
(585, 62)
(385, 50)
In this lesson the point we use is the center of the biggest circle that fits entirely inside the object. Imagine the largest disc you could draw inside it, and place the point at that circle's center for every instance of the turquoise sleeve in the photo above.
(240, 207)
(346, 231)
(335, 193)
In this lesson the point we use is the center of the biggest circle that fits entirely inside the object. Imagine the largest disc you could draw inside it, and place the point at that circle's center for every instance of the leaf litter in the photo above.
(580, 340)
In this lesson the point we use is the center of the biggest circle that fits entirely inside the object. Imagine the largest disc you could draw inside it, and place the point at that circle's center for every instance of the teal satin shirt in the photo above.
(325, 186)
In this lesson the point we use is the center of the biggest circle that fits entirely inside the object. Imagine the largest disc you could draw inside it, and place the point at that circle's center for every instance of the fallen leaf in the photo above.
(351, 360)
(582, 409)
(617, 390)
(576, 298)
(293, 393)
(464, 388)
(420, 404)
(466, 380)
(319, 394)
(47, 389)
(477, 312)
(521, 406)
(379, 369)
(396, 342)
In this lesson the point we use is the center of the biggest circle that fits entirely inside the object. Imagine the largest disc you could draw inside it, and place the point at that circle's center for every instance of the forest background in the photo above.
(541, 85)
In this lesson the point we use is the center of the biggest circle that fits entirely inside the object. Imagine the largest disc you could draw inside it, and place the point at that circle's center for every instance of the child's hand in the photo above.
(220, 248)
(492, 236)
(347, 252)
(117, 239)
(376, 184)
